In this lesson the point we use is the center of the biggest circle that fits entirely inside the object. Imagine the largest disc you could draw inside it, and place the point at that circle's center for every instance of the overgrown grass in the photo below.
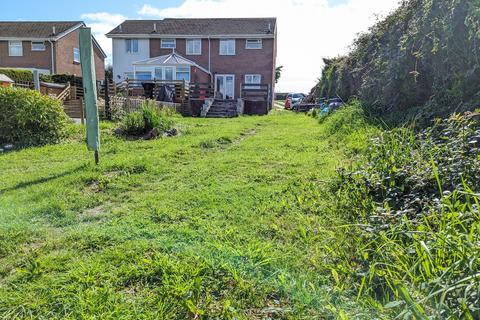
(246, 218)
(232, 219)
(414, 205)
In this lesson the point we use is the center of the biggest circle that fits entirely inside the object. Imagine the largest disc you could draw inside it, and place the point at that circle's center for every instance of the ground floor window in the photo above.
(172, 73)
(253, 79)
(144, 75)
(183, 73)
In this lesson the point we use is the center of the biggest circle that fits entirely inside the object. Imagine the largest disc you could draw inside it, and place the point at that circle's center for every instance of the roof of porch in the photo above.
(172, 59)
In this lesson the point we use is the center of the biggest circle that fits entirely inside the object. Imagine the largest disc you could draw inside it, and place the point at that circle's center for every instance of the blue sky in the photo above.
(67, 10)
(305, 27)
(72, 10)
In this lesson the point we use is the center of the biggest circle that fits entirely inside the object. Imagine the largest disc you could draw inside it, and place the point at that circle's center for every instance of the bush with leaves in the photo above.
(19, 75)
(28, 118)
(149, 121)
(415, 204)
(421, 61)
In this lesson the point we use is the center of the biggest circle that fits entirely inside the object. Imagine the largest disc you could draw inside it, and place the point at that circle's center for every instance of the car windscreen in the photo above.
(297, 96)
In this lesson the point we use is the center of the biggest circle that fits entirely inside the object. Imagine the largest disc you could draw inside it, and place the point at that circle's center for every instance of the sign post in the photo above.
(90, 91)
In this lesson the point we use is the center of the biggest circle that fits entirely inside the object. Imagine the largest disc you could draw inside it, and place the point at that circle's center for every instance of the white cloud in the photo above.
(308, 30)
(102, 23)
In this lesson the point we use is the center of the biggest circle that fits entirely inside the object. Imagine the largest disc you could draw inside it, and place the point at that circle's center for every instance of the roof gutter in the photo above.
(186, 36)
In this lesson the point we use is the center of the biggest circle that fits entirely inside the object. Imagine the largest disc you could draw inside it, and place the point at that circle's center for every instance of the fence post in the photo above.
(108, 114)
(82, 112)
(36, 80)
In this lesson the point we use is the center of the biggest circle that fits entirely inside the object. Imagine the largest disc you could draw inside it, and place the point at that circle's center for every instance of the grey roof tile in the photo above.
(35, 29)
(197, 27)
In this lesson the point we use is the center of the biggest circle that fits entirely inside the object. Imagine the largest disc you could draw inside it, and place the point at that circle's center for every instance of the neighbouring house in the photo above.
(227, 52)
(5, 81)
(49, 47)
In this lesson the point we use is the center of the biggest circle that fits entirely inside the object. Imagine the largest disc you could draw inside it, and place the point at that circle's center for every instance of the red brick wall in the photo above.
(198, 75)
(64, 57)
(244, 62)
(30, 59)
(99, 63)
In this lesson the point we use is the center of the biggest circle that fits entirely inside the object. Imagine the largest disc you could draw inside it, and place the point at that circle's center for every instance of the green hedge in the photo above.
(28, 118)
(18, 75)
(27, 76)
(420, 61)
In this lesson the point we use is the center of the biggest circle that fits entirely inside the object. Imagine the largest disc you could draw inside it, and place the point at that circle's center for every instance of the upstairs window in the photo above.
(131, 45)
(168, 44)
(15, 48)
(38, 46)
(254, 44)
(76, 55)
(227, 47)
(194, 46)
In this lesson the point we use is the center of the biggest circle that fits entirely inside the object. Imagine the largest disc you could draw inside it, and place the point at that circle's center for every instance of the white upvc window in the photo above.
(169, 73)
(15, 48)
(76, 55)
(194, 47)
(253, 44)
(131, 45)
(168, 43)
(143, 75)
(252, 79)
(227, 47)
(38, 46)
(183, 73)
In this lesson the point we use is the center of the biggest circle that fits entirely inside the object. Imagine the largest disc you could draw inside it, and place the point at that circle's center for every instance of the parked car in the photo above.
(335, 103)
(293, 99)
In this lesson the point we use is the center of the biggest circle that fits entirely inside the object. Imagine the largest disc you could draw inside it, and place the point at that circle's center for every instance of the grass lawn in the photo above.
(228, 220)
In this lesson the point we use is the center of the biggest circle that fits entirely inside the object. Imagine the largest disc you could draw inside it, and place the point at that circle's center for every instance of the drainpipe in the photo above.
(53, 57)
(209, 57)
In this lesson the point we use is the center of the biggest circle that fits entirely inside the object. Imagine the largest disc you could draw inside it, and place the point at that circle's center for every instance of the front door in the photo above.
(225, 86)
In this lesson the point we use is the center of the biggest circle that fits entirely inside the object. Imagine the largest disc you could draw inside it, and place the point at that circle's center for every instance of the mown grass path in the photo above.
(229, 219)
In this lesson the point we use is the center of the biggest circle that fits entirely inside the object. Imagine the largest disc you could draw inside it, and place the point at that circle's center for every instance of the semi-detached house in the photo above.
(228, 52)
(50, 47)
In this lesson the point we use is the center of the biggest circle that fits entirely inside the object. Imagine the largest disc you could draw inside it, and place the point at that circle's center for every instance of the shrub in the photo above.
(28, 118)
(148, 120)
(345, 120)
(421, 58)
(416, 201)
(19, 75)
